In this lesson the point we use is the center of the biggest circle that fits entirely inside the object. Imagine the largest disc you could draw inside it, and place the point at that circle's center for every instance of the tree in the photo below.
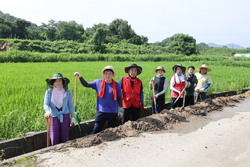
(5, 30)
(49, 30)
(69, 31)
(163, 43)
(120, 30)
(21, 28)
(182, 44)
(89, 32)
(99, 39)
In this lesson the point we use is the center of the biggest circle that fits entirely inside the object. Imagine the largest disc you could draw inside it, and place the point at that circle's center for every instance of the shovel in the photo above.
(153, 88)
(173, 103)
(184, 98)
(75, 102)
(197, 95)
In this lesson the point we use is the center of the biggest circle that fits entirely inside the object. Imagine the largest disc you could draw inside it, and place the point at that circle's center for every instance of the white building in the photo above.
(241, 55)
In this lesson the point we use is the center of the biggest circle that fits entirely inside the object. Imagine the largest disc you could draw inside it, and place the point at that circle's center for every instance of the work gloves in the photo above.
(200, 90)
(120, 112)
(72, 122)
(47, 115)
(77, 74)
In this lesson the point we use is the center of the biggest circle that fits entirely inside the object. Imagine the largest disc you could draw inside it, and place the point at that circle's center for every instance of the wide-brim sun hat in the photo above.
(191, 67)
(50, 81)
(139, 69)
(160, 68)
(204, 66)
(108, 68)
(179, 65)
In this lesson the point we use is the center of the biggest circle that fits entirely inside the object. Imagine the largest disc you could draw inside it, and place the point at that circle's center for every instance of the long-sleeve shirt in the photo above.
(203, 80)
(164, 86)
(106, 104)
(67, 107)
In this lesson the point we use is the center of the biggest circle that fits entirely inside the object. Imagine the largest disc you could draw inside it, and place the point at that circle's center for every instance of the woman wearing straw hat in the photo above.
(159, 85)
(178, 84)
(58, 104)
(204, 81)
(109, 104)
(132, 93)
(191, 78)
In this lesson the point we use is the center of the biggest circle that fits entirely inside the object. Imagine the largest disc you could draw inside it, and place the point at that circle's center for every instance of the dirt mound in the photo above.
(157, 122)
(3, 46)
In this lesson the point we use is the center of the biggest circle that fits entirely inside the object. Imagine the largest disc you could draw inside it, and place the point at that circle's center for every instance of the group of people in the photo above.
(122, 100)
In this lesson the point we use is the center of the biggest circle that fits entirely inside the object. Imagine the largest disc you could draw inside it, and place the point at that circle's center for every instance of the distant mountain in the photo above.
(230, 45)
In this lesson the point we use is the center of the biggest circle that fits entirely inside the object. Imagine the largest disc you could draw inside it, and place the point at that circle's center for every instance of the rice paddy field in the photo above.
(23, 87)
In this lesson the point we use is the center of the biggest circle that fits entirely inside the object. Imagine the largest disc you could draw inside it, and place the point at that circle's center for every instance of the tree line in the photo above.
(98, 36)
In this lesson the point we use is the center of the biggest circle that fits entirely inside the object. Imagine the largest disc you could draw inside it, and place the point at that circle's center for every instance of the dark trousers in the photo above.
(160, 104)
(189, 100)
(202, 96)
(131, 113)
(101, 118)
(179, 102)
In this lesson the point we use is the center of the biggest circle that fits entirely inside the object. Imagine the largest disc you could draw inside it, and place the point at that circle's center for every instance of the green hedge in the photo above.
(25, 56)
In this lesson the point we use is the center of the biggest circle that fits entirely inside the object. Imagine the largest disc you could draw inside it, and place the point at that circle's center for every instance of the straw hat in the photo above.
(110, 68)
(50, 81)
(204, 66)
(139, 69)
(160, 68)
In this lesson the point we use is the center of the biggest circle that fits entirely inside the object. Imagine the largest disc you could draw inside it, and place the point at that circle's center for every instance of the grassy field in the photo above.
(23, 87)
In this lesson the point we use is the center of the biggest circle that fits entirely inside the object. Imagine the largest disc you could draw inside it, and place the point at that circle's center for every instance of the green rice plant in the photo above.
(23, 87)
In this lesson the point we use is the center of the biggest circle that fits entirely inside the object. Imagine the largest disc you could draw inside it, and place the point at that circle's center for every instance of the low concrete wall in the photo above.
(37, 140)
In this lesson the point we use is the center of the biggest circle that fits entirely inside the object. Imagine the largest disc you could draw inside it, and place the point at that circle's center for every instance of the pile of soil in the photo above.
(157, 122)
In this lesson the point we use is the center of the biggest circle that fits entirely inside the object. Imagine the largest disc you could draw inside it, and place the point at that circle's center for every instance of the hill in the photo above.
(230, 45)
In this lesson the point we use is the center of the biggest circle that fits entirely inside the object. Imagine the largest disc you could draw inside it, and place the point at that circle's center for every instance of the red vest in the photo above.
(131, 96)
(178, 86)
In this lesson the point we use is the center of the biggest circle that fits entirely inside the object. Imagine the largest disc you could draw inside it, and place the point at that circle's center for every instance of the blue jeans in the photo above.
(101, 118)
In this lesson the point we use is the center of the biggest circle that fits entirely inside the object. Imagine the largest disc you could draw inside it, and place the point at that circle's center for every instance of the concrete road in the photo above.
(221, 139)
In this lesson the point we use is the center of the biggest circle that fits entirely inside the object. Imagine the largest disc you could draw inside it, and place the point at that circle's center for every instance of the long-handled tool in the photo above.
(184, 98)
(154, 98)
(173, 103)
(48, 121)
(75, 102)
(196, 98)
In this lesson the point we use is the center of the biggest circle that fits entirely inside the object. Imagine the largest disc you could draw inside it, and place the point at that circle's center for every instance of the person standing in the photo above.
(160, 84)
(132, 93)
(108, 98)
(177, 84)
(58, 105)
(191, 78)
(204, 82)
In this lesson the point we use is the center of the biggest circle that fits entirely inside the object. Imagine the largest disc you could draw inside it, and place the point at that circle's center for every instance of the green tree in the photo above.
(21, 28)
(182, 44)
(90, 32)
(120, 30)
(99, 39)
(5, 30)
(69, 31)
(49, 30)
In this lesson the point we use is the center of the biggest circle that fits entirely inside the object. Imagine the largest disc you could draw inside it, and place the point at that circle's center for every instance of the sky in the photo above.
(217, 21)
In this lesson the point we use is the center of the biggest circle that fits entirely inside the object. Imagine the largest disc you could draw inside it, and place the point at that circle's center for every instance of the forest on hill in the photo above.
(118, 37)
